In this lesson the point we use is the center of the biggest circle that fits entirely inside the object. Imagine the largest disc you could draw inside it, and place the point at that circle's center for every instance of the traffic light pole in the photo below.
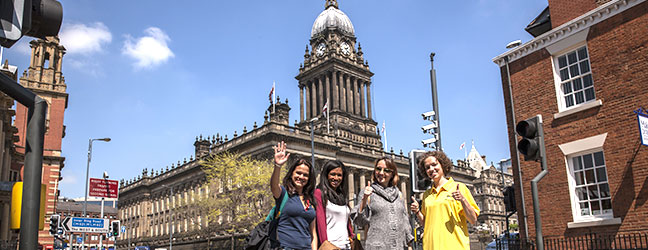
(29, 215)
(534, 187)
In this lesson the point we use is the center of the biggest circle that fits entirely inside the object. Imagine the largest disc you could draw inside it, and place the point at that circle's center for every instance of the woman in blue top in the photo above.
(296, 224)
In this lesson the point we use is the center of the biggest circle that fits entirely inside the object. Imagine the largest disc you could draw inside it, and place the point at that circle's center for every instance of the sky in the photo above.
(154, 75)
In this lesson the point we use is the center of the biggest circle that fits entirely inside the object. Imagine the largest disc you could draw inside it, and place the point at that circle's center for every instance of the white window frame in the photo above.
(560, 95)
(578, 148)
(560, 48)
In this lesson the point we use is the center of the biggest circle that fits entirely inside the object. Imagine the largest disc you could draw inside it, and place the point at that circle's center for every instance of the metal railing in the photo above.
(592, 241)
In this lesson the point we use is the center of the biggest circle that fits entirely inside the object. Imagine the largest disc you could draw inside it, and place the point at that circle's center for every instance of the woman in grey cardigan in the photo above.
(382, 209)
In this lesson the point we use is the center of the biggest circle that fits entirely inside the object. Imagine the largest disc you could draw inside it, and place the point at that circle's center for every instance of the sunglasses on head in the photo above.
(387, 170)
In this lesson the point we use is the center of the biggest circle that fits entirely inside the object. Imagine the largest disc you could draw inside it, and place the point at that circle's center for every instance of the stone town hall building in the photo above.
(333, 71)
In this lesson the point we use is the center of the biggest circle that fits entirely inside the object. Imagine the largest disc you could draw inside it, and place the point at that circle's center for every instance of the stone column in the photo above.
(343, 91)
(313, 100)
(362, 182)
(301, 102)
(320, 95)
(349, 95)
(363, 113)
(351, 188)
(308, 109)
(356, 96)
(369, 100)
(327, 89)
(336, 90)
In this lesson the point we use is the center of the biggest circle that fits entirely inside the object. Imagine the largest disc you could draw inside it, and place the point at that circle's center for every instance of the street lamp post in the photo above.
(85, 203)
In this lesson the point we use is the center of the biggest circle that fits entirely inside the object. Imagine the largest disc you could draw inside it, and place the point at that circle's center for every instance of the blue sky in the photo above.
(153, 75)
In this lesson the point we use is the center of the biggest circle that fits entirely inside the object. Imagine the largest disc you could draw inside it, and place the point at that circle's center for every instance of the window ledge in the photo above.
(580, 108)
(593, 223)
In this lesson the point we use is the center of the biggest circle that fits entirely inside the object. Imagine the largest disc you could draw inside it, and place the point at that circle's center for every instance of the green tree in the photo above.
(239, 191)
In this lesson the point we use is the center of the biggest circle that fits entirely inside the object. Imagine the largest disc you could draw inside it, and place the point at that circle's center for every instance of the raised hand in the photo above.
(368, 190)
(415, 206)
(280, 156)
(457, 195)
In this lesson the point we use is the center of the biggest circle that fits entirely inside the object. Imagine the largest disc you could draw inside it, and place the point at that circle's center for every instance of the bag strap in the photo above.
(283, 203)
(274, 214)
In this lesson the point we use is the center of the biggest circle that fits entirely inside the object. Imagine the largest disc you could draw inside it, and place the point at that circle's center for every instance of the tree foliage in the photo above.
(239, 193)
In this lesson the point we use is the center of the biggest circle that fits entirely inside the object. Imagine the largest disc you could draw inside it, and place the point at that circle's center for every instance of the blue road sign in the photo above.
(123, 229)
(88, 225)
(79, 240)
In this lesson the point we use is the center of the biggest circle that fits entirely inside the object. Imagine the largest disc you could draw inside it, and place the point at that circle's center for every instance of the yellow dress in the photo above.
(446, 226)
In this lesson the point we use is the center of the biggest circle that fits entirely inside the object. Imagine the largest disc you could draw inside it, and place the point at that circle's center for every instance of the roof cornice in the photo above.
(580, 23)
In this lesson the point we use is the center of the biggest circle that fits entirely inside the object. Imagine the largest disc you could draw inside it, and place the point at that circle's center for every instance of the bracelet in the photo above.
(277, 165)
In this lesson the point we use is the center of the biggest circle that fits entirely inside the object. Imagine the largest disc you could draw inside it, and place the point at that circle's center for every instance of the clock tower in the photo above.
(334, 72)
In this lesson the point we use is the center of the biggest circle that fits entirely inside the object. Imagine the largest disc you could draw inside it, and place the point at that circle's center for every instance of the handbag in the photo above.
(327, 245)
(259, 238)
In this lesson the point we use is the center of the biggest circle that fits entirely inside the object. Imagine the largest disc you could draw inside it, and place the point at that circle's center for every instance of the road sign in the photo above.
(86, 225)
(79, 240)
(103, 188)
(123, 229)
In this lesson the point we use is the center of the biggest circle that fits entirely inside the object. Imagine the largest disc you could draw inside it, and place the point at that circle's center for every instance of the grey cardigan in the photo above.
(386, 216)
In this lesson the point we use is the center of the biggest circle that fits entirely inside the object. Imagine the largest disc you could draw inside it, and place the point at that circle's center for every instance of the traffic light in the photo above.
(432, 129)
(509, 199)
(418, 182)
(35, 18)
(114, 228)
(532, 143)
(54, 224)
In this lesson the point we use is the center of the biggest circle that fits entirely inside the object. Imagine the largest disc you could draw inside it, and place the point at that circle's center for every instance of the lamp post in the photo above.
(85, 203)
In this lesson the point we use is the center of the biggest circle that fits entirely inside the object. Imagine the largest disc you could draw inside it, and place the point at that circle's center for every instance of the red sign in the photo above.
(103, 188)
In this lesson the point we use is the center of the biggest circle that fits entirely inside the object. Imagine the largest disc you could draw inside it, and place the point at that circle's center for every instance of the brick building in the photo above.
(585, 73)
(44, 77)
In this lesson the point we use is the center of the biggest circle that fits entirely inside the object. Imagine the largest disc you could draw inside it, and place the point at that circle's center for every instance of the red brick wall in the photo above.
(563, 11)
(618, 49)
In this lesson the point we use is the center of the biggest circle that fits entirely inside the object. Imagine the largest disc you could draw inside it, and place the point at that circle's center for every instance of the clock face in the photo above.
(321, 48)
(346, 49)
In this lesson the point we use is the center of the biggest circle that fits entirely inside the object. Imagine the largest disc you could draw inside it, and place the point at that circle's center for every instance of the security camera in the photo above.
(514, 44)
(428, 141)
(429, 128)
(428, 115)
(105, 175)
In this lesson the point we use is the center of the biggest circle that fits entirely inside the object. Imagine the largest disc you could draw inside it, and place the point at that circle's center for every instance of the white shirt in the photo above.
(336, 224)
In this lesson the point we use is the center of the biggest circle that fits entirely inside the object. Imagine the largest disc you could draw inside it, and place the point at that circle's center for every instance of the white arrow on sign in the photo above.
(86, 225)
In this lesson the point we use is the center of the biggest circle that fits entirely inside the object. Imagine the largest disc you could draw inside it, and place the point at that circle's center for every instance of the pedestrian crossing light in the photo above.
(532, 143)
(114, 229)
(54, 224)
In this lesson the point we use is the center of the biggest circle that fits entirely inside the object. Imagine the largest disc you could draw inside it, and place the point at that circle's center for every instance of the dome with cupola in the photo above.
(332, 17)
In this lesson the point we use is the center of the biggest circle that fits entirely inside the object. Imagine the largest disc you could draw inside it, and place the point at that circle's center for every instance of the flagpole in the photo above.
(274, 94)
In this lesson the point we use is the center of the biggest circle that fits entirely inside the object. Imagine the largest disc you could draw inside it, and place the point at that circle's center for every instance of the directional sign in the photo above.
(79, 240)
(103, 188)
(86, 225)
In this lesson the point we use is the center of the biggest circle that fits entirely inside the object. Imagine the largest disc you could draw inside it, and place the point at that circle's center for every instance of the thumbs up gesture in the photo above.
(368, 190)
(457, 195)
(415, 206)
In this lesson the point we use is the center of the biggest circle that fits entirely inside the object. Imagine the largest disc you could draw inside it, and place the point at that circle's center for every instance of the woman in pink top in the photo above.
(332, 207)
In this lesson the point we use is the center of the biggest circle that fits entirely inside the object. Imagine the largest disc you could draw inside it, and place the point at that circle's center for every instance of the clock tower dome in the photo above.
(334, 72)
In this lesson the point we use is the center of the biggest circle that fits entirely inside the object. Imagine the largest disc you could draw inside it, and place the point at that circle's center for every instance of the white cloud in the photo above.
(84, 39)
(149, 50)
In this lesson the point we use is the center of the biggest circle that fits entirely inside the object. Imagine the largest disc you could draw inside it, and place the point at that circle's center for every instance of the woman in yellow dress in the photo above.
(447, 206)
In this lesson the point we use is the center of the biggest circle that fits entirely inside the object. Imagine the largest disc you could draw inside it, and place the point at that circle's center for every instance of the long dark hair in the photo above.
(307, 191)
(338, 196)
